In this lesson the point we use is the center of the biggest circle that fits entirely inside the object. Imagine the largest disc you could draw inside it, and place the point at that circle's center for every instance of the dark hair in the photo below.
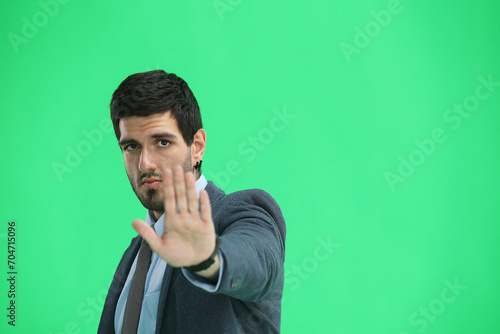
(155, 92)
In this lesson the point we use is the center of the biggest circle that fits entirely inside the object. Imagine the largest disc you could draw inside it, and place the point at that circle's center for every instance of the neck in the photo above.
(157, 214)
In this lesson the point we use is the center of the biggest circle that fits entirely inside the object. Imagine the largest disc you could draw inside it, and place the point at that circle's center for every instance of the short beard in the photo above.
(152, 200)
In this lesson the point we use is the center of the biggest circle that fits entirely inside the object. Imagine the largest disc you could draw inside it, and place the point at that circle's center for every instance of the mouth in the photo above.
(151, 183)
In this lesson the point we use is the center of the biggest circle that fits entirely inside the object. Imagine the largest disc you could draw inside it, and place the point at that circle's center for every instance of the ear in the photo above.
(198, 145)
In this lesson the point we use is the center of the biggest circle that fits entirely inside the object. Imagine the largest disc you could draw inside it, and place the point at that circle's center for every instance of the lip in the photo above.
(151, 183)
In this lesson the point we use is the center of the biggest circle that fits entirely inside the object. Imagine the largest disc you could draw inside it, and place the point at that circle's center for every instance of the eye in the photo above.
(130, 147)
(163, 143)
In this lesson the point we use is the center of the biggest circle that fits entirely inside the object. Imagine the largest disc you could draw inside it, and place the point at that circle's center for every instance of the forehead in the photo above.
(137, 127)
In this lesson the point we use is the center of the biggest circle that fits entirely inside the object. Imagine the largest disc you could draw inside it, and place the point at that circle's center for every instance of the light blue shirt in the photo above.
(147, 321)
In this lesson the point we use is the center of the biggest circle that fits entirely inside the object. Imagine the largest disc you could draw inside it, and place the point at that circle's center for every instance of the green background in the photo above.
(373, 239)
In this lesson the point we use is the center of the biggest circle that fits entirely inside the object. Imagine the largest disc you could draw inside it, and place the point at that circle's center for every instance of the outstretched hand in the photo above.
(189, 235)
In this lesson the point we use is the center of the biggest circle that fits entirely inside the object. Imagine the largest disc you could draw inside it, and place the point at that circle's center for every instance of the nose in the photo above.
(146, 161)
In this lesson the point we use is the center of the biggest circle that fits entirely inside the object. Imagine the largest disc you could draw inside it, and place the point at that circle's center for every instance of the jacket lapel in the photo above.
(214, 193)
(162, 301)
(107, 324)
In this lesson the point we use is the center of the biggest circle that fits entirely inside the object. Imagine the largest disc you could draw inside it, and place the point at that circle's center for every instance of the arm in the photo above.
(253, 232)
(251, 228)
(253, 244)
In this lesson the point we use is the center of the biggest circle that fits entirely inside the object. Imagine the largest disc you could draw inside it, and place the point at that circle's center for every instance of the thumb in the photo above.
(146, 232)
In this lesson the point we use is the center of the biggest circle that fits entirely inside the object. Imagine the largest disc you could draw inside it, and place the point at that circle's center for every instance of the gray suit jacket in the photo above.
(252, 229)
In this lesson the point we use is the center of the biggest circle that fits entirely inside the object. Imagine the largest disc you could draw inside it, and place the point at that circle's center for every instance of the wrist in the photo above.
(208, 263)
(211, 274)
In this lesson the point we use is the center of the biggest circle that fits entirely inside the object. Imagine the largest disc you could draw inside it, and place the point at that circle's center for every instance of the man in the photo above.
(216, 264)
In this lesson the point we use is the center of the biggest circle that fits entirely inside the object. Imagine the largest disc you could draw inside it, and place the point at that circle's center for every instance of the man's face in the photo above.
(149, 145)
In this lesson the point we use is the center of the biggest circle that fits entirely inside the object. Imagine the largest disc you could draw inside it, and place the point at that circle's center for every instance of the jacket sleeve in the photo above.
(252, 229)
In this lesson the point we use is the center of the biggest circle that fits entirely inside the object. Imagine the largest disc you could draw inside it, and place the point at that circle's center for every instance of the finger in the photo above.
(192, 199)
(205, 208)
(180, 188)
(168, 190)
(147, 233)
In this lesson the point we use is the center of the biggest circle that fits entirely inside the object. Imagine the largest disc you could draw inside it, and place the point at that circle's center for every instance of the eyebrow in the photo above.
(167, 135)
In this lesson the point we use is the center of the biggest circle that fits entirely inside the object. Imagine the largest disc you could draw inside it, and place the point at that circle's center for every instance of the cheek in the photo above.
(170, 159)
(164, 164)
(130, 164)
